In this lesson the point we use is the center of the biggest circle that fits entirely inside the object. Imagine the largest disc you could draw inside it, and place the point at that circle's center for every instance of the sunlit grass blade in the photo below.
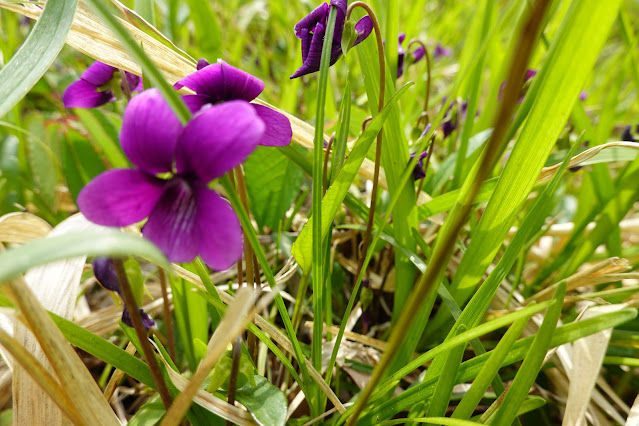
(473, 396)
(37, 53)
(570, 60)
(339, 188)
(518, 390)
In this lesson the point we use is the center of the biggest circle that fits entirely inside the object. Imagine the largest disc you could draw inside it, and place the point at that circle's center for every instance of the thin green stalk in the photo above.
(446, 243)
(318, 190)
(428, 76)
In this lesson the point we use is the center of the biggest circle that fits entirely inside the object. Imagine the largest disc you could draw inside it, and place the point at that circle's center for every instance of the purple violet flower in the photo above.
(104, 271)
(220, 82)
(418, 171)
(418, 54)
(185, 217)
(441, 51)
(311, 29)
(89, 91)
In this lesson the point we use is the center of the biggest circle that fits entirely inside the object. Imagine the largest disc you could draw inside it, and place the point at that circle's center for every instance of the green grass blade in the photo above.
(137, 52)
(570, 60)
(473, 396)
(104, 242)
(394, 159)
(518, 390)
(331, 202)
(37, 53)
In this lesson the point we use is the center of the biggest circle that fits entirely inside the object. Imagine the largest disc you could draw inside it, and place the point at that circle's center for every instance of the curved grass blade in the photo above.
(37, 53)
(109, 242)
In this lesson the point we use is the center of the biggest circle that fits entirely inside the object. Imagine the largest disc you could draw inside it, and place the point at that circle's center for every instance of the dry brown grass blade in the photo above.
(69, 369)
(22, 227)
(44, 379)
(91, 37)
(587, 357)
(53, 287)
(273, 332)
(633, 418)
(234, 322)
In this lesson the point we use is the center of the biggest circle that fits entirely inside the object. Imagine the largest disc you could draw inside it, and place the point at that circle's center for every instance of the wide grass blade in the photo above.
(37, 53)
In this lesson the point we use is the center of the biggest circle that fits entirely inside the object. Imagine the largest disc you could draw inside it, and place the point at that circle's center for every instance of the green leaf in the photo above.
(349, 37)
(37, 53)
(338, 190)
(267, 403)
(149, 414)
(104, 242)
(272, 182)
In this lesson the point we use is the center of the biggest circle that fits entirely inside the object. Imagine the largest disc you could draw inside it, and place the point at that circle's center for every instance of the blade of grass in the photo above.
(37, 53)
(519, 388)
(473, 396)
(570, 60)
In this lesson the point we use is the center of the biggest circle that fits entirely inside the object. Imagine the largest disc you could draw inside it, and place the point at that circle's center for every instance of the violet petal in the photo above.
(195, 102)
(147, 322)
(172, 223)
(277, 130)
(218, 139)
(220, 232)
(82, 94)
(308, 22)
(104, 271)
(222, 82)
(120, 197)
(201, 63)
(314, 56)
(150, 131)
(364, 27)
(98, 74)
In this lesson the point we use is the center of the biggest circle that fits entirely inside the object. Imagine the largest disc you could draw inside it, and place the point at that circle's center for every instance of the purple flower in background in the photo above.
(452, 116)
(104, 271)
(221, 82)
(89, 91)
(583, 95)
(441, 51)
(185, 217)
(529, 74)
(628, 135)
(311, 30)
(418, 171)
(418, 54)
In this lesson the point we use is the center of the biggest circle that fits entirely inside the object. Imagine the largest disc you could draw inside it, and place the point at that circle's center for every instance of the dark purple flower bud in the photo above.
(104, 271)
(220, 82)
(441, 51)
(147, 322)
(628, 135)
(90, 91)
(400, 55)
(311, 30)
(418, 171)
(185, 217)
(201, 63)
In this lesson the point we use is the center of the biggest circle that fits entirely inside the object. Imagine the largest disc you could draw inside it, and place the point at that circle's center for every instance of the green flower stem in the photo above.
(318, 190)
(136, 319)
(167, 313)
(428, 73)
(427, 285)
(235, 369)
(380, 105)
